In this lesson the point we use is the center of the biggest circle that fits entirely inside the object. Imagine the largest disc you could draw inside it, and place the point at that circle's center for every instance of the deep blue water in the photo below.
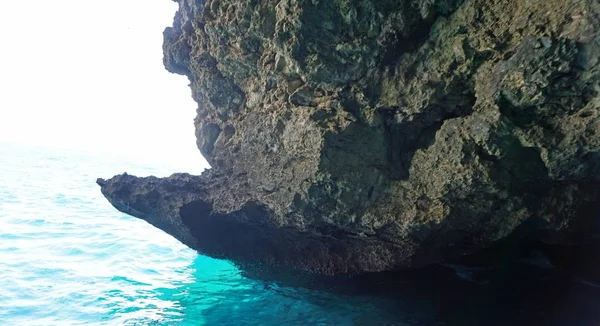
(68, 258)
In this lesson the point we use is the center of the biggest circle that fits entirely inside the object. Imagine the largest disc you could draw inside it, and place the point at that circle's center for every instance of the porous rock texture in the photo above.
(351, 136)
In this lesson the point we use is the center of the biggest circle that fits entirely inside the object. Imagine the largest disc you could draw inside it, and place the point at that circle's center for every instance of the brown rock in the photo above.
(366, 135)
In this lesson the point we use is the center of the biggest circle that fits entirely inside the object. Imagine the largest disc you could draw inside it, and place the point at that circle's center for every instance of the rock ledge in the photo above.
(352, 136)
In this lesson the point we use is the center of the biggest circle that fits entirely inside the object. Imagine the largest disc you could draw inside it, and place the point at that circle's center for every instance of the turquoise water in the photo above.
(69, 258)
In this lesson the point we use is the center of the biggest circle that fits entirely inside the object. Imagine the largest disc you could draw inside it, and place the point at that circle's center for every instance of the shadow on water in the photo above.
(524, 290)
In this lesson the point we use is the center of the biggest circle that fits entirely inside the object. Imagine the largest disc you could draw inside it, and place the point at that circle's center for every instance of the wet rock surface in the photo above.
(351, 136)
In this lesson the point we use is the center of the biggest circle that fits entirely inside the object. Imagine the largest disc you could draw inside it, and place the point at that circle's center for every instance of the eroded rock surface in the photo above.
(366, 135)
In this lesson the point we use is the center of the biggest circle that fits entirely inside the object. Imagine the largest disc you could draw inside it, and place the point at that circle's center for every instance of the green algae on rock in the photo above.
(367, 135)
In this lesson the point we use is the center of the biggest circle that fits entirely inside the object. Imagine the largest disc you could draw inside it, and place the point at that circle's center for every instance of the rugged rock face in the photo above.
(366, 135)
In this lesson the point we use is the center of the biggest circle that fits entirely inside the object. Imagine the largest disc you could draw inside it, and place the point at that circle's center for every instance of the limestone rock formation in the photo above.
(366, 135)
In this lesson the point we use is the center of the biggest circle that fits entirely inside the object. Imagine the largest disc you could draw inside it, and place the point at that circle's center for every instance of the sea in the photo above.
(67, 257)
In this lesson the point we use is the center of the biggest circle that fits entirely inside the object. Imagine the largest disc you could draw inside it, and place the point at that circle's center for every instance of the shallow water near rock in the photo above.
(69, 258)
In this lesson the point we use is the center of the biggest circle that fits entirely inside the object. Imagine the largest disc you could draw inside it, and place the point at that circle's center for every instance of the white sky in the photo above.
(84, 74)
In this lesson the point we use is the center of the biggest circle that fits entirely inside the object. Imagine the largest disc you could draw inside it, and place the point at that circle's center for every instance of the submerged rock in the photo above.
(354, 136)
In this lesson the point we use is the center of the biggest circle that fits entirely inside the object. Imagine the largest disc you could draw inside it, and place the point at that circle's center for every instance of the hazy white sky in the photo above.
(88, 75)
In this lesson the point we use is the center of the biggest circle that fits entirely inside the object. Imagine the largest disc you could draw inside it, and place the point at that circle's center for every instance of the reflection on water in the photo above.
(514, 294)
(220, 295)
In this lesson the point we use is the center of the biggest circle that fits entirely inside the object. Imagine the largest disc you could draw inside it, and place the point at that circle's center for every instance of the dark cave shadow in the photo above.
(519, 281)
(515, 289)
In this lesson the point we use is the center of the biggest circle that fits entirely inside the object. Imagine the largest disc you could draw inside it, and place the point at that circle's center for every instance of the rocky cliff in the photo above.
(366, 135)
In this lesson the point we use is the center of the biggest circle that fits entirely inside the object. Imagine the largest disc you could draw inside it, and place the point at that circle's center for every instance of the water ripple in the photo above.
(69, 258)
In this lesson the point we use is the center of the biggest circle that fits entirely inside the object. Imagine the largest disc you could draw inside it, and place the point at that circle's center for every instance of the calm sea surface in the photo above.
(68, 258)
